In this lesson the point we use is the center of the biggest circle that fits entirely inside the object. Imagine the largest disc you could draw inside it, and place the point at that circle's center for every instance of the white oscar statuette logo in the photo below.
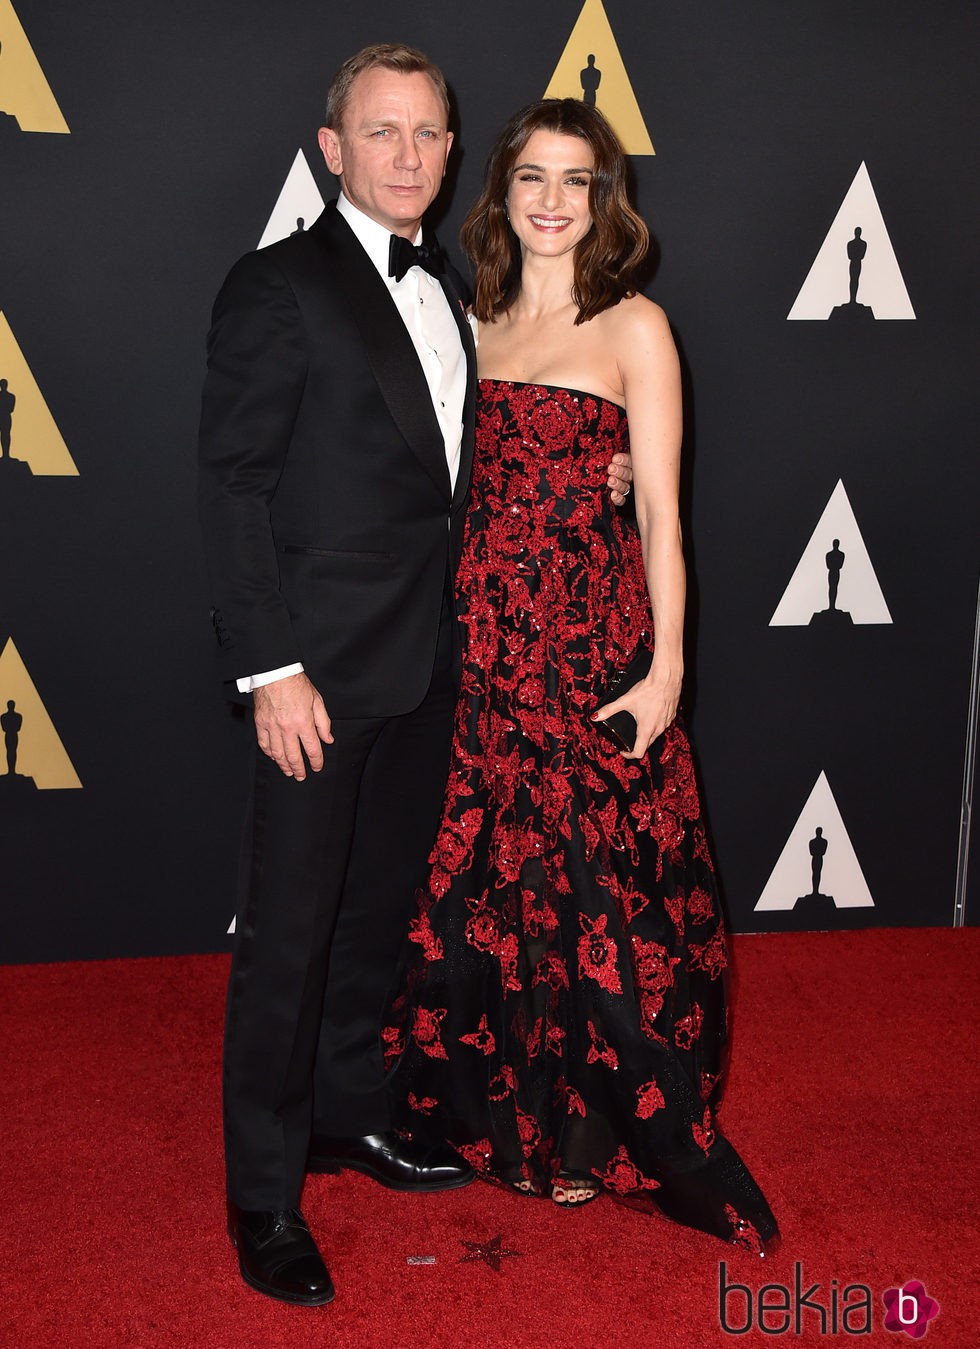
(834, 584)
(855, 277)
(298, 205)
(818, 863)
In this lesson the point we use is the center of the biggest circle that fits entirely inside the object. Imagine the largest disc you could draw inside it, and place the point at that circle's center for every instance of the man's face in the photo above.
(390, 152)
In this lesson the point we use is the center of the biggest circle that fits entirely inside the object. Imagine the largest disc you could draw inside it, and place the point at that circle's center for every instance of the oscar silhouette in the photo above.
(8, 464)
(832, 616)
(300, 225)
(7, 404)
(856, 249)
(590, 78)
(11, 722)
(852, 312)
(818, 851)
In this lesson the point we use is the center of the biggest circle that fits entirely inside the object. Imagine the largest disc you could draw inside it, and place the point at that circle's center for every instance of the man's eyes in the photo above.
(382, 132)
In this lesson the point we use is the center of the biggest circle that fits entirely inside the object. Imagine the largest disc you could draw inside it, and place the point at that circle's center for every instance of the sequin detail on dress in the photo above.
(563, 1003)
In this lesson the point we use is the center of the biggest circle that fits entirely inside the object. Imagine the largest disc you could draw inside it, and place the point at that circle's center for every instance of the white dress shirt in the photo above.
(426, 314)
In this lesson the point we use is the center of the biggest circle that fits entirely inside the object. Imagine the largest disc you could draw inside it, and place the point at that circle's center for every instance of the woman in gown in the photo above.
(562, 1013)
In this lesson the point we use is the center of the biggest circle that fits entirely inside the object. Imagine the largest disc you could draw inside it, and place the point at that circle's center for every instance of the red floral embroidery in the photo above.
(534, 1039)
(597, 953)
(394, 1043)
(539, 916)
(507, 953)
(454, 846)
(425, 1031)
(423, 1107)
(700, 905)
(590, 835)
(502, 1085)
(575, 1104)
(631, 902)
(711, 957)
(600, 1051)
(623, 1177)
(482, 930)
(528, 1131)
(687, 1030)
(704, 1134)
(554, 1037)
(654, 976)
(649, 1098)
(551, 971)
(708, 1081)
(744, 1233)
(675, 910)
(477, 1154)
(420, 932)
(482, 1038)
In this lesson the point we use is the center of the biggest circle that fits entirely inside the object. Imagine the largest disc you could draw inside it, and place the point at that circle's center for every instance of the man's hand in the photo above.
(620, 478)
(290, 717)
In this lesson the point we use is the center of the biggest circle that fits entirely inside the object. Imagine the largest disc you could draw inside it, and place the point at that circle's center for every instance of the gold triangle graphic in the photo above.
(27, 733)
(24, 92)
(591, 64)
(34, 438)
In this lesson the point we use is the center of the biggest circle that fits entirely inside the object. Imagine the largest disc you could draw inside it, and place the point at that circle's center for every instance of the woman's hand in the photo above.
(653, 702)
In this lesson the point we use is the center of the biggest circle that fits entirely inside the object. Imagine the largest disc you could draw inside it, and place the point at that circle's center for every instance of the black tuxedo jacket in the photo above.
(324, 493)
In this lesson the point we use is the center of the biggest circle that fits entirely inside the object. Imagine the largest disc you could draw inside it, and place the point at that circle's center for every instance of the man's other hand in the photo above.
(620, 478)
(289, 718)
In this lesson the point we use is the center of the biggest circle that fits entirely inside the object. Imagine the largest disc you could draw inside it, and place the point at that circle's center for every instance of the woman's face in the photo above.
(548, 198)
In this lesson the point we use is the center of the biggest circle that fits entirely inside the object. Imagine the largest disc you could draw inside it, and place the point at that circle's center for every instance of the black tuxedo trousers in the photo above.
(330, 870)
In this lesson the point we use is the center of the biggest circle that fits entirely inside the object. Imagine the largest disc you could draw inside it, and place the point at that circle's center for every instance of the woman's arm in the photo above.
(650, 372)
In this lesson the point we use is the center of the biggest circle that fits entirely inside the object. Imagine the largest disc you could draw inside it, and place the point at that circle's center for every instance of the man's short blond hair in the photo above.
(381, 56)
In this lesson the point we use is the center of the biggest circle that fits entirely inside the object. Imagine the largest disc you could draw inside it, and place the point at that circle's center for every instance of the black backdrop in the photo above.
(184, 120)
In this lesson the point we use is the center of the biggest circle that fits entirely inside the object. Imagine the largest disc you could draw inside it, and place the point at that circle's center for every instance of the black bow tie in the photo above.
(402, 254)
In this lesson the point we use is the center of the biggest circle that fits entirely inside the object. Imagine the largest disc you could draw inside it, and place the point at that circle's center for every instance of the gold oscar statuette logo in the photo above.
(30, 441)
(591, 69)
(25, 95)
(32, 757)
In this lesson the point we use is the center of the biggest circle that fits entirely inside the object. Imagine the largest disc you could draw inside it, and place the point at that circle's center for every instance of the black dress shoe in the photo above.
(399, 1163)
(277, 1255)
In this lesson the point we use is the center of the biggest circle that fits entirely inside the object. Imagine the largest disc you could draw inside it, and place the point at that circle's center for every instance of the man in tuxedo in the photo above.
(335, 454)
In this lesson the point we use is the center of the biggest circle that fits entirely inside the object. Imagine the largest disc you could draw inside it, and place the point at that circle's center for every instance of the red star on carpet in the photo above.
(490, 1252)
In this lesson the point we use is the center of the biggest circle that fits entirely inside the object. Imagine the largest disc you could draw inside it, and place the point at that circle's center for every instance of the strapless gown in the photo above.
(562, 1004)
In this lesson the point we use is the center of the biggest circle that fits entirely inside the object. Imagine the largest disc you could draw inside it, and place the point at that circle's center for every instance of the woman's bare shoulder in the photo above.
(636, 319)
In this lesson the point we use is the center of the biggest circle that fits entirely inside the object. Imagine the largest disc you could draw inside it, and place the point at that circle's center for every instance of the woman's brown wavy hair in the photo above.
(608, 259)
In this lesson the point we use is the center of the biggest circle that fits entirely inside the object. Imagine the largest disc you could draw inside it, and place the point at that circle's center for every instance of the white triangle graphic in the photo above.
(231, 925)
(807, 598)
(880, 285)
(840, 875)
(299, 200)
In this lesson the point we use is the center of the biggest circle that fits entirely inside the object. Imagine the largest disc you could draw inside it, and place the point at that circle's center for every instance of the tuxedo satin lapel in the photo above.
(469, 403)
(390, 351)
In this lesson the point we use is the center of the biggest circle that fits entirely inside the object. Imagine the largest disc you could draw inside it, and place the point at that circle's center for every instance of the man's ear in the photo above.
(329, 143)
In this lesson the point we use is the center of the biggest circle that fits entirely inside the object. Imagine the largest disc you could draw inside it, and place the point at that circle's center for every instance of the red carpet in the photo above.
(853, 1096)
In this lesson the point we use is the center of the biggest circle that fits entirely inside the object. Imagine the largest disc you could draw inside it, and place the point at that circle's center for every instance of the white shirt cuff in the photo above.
(249, 682)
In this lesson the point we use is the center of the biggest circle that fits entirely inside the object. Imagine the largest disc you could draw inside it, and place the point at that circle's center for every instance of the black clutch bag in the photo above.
(620, 728)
